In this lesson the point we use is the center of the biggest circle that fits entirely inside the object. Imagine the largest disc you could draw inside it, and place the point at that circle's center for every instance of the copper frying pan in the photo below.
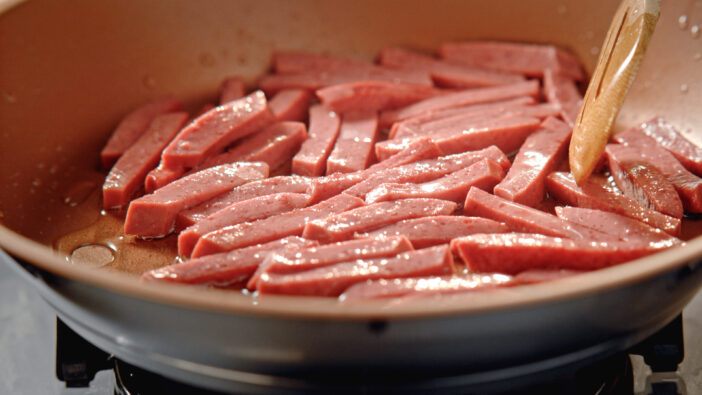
(71, 68)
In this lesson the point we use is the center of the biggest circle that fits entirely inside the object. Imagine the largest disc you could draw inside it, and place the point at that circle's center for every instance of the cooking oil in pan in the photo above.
(128, 254)
(92, 254)
(79, 193)
(102, 243)
(100, 240)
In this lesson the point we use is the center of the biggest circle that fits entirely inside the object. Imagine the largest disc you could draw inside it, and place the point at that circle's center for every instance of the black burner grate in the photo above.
(77, 361)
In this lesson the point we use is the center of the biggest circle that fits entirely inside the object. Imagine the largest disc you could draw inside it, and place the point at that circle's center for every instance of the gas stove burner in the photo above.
(610, 377)
(130, 380)
(78, 361)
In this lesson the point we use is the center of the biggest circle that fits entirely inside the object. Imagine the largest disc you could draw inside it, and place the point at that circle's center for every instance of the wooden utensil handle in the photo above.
(620, 57)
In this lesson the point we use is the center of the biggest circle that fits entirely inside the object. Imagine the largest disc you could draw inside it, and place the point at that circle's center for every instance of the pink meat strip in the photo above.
(535, 276)
(353, 150)
(425, 286)
(484, 174)
(342, 226)
(468, 120)
(617, 226)
(205, 108)
(298, 62)
(159, 177)
(210, 133)
(251, 190)
(373, 95)
(427, 170)
(225, 269)
(521, 218)
(593, 194)
(312, 81)
(562, 90)
(441, 229)
(443, 73)
(290, 105)
(528, 59)
(323, 188)
(232, 88)
(293, 260)
(685, 151)
(132, 126)
(461, 98)
(498, 107)
(128, 174)
(245, 211)
(278, 226)
(515, 252)
(688, 185)
(460, 125)
(311, 159)
(275, 145)
(154, 215)
(421, 149)
(642, 182)
(541, 153)
(411, 288)
(506, 133)
(335, 279)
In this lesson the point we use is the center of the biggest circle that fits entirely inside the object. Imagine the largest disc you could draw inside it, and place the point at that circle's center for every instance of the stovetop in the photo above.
(28, 344)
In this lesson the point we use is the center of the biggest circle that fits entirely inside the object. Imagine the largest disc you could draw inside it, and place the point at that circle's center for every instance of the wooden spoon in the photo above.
(619, 60)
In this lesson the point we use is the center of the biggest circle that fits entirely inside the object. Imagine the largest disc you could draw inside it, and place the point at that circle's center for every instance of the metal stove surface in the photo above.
(28, 336)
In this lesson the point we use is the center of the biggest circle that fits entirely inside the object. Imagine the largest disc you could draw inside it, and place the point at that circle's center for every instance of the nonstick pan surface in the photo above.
(76, 66)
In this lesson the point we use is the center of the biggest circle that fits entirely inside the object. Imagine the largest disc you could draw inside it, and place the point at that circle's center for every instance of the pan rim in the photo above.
(229, 302)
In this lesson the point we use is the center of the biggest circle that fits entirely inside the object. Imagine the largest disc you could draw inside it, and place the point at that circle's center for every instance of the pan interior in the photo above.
(70, 79)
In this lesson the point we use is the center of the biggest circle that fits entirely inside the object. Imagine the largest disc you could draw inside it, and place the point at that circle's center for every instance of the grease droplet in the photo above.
(78, 193)
(92, 255)
(9, 97)
(682, 21)
(148, 81)
(206, 59)
(695, 31)
(684, 88)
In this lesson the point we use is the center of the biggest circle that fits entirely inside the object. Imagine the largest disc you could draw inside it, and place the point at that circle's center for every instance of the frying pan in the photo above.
(70, 69)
